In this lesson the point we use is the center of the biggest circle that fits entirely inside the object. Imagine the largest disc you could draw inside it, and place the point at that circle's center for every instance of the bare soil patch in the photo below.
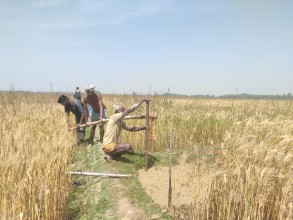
(188, 183)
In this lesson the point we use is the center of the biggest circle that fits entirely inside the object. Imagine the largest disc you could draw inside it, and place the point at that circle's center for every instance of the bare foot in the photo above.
(108, 158)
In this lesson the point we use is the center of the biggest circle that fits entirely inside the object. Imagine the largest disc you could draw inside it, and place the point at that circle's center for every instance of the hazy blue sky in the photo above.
(187, 46)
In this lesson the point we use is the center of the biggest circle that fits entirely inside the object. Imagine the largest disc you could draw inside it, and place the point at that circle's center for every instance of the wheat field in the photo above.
(34, 152)
(251, 160)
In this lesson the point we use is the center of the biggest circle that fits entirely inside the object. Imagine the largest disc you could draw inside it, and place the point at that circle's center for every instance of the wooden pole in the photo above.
(106, 120)
(147, 135)
(170, 168)
(99, 174)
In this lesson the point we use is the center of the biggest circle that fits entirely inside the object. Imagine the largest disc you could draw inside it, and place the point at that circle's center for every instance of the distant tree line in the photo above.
(234, 96)
(287, 96)
(251, 96)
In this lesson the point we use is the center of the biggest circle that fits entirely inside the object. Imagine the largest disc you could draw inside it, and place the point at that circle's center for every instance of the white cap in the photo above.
(117, 107)
(89, 88)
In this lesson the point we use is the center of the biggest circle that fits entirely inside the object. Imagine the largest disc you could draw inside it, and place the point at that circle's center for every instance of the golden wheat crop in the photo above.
(252, 168)
(251, 143)
(34, 154)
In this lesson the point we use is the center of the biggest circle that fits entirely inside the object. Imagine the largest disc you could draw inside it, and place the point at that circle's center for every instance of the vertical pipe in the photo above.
(170, 168)
(147, 136)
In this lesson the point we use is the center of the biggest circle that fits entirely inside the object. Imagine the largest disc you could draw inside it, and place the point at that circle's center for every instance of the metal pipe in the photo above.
(170, 168)
(106, 120)
(147, 135)
(99, 174)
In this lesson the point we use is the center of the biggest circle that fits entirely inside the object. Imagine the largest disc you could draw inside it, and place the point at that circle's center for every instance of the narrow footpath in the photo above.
(106, 197)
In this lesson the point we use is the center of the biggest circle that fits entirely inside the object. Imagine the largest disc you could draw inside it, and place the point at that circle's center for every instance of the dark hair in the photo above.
(62, 99)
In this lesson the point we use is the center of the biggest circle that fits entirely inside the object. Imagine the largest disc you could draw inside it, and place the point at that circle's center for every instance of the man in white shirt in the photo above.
(111, 146)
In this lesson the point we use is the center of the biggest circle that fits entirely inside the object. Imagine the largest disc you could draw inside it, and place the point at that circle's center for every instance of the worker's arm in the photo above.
(68, 120)
(100, 105)
(84, 112)
(133, 107)
(134, 128)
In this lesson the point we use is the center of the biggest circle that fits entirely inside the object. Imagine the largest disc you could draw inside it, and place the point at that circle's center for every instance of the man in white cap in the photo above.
(99, 111)
(111, 146)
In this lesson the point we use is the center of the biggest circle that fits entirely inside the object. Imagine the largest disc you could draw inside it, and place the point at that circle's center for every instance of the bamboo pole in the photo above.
(147, 135)
(170, 168)
(106, 120)
(99, 174)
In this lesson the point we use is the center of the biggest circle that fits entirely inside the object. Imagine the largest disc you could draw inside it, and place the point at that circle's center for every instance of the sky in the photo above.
(191, 47)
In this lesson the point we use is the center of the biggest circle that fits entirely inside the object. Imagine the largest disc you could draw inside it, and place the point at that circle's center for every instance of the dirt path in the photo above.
(101, 197)
(125, 210)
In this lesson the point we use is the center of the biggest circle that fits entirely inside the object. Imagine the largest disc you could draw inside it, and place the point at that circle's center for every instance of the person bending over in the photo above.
(75, 106)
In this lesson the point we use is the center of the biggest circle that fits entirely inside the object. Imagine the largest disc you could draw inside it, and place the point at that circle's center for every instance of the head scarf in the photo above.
(117, 107)
(89, 88)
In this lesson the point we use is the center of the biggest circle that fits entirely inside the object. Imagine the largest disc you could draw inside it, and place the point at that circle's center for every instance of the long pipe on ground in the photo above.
(106, 120)
(99, 174)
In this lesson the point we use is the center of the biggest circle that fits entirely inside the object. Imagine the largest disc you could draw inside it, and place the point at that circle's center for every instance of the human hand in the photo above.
(147, 100)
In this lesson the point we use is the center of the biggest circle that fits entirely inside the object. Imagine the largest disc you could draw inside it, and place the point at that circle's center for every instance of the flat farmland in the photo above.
(246, 147)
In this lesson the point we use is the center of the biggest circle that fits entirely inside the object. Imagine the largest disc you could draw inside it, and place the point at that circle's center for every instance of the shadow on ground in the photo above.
(138, 160)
